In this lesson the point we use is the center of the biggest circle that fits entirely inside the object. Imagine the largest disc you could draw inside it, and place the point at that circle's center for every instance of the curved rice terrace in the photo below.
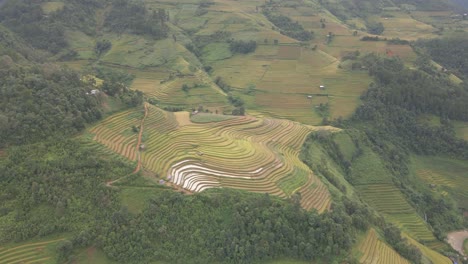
(258, 155)
(38, 252)
(373, 250)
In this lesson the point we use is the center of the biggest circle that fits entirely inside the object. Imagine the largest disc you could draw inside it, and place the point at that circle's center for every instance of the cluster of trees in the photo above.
(53, 187)
(375, 28)
(451, 52)
(370, 38)
(288, 27)
(350, 8)
(413, 90)
(116, 83)
(47, 31)
(398, 41)
(27, 19)
(134, 17)
(41, 101)
(230, 227)
(244, 47)
(222, 84)
(393, 237)
(102, 46)
(238, 104)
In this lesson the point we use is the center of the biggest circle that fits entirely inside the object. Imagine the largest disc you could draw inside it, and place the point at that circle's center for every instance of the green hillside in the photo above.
(222, 131)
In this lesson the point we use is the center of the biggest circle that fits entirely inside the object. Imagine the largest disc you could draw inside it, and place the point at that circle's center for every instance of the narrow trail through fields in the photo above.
(137, 149)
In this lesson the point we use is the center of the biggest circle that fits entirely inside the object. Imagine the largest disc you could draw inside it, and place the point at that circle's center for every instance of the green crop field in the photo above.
(42, 252)
(208, 118)
(377, 189)
(446, 173)
(462, 129)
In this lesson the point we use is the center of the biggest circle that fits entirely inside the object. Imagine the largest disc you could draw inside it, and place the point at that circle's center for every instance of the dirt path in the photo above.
(137, 149)
(456, 239)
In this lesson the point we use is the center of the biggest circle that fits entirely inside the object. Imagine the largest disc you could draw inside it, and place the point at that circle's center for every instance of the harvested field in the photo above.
(289, 52)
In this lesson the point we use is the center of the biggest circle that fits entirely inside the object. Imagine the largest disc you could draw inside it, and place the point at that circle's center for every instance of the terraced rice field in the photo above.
(387, 199)
(116, 132)
(39, 252)
(254, 154)
(374, 251)
(405, 27)
(169, 92)
(286, 75)
(428, 253)
(446, 173)
(377, 189)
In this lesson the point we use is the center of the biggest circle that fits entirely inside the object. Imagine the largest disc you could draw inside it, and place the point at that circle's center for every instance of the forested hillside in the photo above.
(222, 131)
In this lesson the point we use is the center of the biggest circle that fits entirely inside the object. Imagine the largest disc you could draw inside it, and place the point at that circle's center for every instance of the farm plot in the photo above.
(284, 85)
(403, 26)
(342, 45)
(373, 250)
(168, 91)
(432, 255)
(388, 200)
(38, 252)
(447, 173)
(118, 132)
(377, 189)
(258, 155)
(461, 128)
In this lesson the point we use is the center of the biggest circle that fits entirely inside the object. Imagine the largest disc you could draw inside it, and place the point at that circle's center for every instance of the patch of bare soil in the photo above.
(456, 239)
(90, 253)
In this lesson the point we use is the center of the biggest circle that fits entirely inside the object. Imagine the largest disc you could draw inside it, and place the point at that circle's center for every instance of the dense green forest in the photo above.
(451, 52)
(61, 197)
(47, 31)
(399, 95)
(287, 26)
(140, 22)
